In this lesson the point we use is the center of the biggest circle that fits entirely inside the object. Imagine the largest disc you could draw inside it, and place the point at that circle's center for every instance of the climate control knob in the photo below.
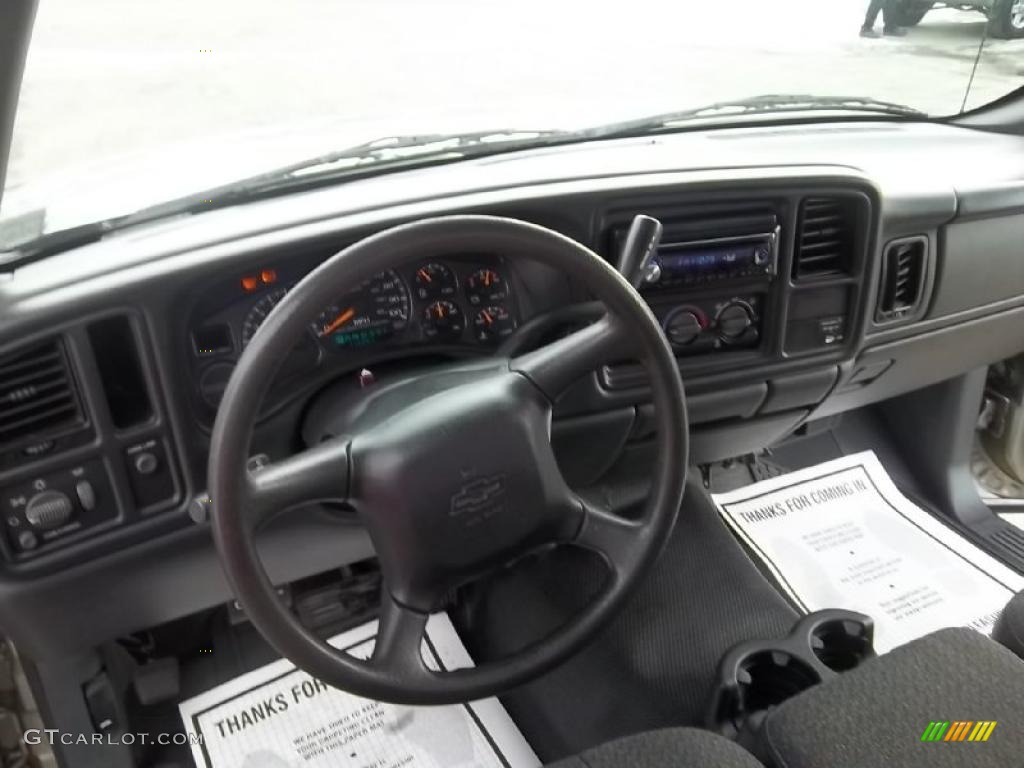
(683, 326)
(48, 509)
(734, 320)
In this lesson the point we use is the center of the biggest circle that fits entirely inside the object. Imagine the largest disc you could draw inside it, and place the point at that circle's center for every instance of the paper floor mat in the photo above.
(840, 535)
(279, 717)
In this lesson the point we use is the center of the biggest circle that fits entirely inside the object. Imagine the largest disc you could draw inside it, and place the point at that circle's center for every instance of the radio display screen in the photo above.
(702, 259)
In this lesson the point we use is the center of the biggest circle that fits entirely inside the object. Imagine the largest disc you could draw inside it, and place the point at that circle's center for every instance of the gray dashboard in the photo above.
(120, 319)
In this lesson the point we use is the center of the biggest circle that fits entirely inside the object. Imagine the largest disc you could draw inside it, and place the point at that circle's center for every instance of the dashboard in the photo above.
(804, 271)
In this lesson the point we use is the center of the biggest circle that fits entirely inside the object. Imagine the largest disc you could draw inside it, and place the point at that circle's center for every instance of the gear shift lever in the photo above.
(642, 240)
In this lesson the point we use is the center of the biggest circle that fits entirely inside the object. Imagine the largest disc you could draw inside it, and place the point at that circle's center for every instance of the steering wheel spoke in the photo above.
(553, 367)
(618, 540)
(318, 474)
(399, 645)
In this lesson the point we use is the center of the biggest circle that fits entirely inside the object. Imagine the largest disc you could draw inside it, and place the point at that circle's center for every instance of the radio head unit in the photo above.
(700, 262)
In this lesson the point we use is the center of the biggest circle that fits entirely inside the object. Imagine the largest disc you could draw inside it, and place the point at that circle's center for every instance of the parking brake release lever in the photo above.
(642, 240)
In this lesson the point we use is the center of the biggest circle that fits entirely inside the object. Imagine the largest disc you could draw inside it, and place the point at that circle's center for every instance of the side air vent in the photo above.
(37, 395)
(826, 237)
(903, 272)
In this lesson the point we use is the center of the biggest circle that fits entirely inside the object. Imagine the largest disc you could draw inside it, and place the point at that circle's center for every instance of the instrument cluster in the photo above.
(434, 302)
(458, 302)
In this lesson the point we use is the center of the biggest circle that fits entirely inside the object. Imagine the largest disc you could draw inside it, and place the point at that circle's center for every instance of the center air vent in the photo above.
(903, 274)
(37, 395)
(826, 237)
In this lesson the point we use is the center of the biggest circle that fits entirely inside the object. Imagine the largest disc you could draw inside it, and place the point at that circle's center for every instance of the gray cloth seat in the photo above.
(877, 714)
(1009, 628)
(668, 748)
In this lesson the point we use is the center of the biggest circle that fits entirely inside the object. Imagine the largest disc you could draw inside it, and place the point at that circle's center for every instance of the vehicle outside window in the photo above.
(1007, 16)
(127, 105)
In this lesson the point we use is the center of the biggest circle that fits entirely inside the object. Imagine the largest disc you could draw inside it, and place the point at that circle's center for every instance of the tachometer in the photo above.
(377, 309)
(254, 319)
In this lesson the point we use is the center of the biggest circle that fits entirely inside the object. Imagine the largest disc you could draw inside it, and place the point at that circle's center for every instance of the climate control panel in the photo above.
(702, 325)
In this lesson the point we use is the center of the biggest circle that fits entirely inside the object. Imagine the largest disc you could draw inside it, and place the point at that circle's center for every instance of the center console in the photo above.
(745, 283)
(758, 675)
(689, 284)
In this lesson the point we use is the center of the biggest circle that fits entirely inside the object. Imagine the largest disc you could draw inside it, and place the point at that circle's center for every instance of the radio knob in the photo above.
(683, 326)
(48, 509)
(734, 320)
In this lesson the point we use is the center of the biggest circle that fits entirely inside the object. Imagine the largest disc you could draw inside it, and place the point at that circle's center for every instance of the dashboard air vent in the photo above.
(903, 273)
(37, 395)
(825, 237)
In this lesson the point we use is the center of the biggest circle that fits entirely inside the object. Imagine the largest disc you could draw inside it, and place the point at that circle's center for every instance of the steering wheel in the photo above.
(454, 476)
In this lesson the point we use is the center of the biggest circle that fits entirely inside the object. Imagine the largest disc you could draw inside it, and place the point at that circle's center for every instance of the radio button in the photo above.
(734, 320)
(684, 325)
(652, 272)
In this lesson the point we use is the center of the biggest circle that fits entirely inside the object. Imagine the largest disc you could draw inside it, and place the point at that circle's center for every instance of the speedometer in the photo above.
(259, 313)
(376, 310)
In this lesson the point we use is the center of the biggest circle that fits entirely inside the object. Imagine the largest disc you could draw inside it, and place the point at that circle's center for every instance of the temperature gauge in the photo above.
(492, 324)
(443, 321)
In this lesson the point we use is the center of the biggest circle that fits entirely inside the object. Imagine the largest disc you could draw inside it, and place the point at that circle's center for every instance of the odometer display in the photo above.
(376, 310)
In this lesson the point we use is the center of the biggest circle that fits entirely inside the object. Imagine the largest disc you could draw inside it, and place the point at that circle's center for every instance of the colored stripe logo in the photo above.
(958, 730)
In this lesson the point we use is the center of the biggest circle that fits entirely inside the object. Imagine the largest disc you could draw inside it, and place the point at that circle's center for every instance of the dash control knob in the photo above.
(683, 326)
(48, 509)
(734, 320)
(146, 463)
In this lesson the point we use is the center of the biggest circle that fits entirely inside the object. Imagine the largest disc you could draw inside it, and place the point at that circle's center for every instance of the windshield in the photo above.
(127, 104)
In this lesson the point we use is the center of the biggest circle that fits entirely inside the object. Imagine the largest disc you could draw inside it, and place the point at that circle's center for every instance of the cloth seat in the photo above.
(884, 712)
(1009, 628)
(668, 748)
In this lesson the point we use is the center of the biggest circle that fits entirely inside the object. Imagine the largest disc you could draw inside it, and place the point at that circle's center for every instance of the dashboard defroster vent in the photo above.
(825, 238)
(37, 395)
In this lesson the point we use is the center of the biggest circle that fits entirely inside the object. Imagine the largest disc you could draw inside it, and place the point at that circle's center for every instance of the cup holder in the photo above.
(842, 644)
(754, 677)
(767, 678)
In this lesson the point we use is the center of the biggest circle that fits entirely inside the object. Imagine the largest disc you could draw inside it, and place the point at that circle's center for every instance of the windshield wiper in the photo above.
(377, 156)
(757, 105)
(398, 152)
(390, 153)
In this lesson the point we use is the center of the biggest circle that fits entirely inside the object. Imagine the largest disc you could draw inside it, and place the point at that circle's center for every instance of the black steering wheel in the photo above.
(453, 474)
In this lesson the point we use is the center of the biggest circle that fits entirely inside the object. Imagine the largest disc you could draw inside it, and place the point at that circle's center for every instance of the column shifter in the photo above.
(642, 241)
